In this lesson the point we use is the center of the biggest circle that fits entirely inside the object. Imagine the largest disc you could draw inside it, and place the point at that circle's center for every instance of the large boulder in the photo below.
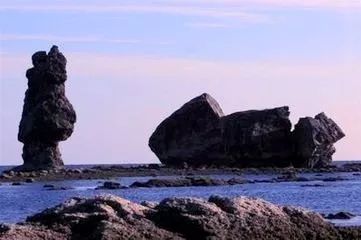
(191, 134)
(257, 138)
(198, 134)
(110, 217)
(48, 117)
(314, 139)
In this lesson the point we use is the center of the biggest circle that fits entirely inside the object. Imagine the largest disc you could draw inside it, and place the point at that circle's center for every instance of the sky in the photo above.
(132, 63)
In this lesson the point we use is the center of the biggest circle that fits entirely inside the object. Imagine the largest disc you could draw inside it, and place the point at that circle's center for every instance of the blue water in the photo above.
(17, 202)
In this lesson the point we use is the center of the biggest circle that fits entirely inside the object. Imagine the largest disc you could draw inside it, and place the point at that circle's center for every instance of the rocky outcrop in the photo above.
(110, 217)
(257, 138)
(191, 134)
(48, 116)
(314, 139)
(199, 134)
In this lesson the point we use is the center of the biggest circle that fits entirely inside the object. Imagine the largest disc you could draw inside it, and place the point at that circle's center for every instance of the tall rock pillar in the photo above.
(48, 117)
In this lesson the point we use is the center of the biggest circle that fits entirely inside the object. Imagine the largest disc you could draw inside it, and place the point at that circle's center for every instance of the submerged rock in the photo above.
(110, 217)
(48, 116)
(313, 185)
(199, 134)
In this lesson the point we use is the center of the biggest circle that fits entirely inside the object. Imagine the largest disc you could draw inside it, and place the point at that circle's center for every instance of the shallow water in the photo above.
(17, 202)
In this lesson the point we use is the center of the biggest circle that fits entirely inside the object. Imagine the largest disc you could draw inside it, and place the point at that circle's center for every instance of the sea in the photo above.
(18, 202)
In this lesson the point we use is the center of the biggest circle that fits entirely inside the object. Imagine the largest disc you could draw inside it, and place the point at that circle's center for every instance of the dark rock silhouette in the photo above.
(314, 138)
(257, 138)
(198, 134)
(48, 116)
(111, 217)
(191, 134)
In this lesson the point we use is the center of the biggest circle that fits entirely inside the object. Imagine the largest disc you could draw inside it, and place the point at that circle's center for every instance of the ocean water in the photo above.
(18, 202)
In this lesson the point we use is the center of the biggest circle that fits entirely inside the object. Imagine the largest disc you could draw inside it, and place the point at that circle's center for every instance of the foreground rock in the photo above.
(199, 134)
(48, 117)
(111, 217)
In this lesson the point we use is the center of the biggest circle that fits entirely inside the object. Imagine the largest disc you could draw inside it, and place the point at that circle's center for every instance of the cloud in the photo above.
(158, 68)
(23, 37)
(165, 8)
(207, 25)
(64, 39)
(308, 4)
(329, 4)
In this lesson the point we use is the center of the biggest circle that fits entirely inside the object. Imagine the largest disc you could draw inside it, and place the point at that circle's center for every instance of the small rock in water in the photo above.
(16, 184)
(313, 185)
(340, 215)
(334, 179)
(188, 182)
(30, 180)
(111, 185)
(58, 188)
(48, 186)
(302, 179)
(289, 176)
(236, 181)
(178, 182)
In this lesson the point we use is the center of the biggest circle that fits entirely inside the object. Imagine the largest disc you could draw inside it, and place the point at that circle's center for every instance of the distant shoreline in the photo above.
(105, 171)
(334, 162)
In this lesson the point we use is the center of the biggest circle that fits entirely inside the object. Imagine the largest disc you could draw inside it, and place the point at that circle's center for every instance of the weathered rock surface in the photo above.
(191, 134)
(198, 134)
(314, 139)
(257, 138)
(110, 217)
(48, 116)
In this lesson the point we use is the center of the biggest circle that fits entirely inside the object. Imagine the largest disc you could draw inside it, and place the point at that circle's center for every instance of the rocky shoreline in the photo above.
(154, 170)
(110, 217)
